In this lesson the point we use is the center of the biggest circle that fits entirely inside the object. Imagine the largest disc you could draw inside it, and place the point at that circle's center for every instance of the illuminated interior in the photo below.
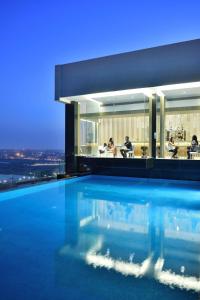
(127, 113)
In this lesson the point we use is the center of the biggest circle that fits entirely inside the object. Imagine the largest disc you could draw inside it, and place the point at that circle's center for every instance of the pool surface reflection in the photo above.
(101, 238)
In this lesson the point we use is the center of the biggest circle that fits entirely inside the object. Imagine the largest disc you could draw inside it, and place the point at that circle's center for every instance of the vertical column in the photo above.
(71, 136)
(77, 128)
(152, 126)
(162, 126)
(156, 234)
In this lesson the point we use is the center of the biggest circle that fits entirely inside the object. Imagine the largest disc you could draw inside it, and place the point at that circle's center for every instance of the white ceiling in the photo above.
(177, 91)
(131, 98)
(183, 93)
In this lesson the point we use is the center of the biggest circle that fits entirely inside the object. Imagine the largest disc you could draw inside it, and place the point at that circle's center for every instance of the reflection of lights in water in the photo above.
(180, 281)
(158, 265)
(172, 279)
(123, 267)
(107, 252)
(182, 269)
(97, 246)
(108, 226)
(177, 228)
(131, 257)
(139, 270)
(86, 221)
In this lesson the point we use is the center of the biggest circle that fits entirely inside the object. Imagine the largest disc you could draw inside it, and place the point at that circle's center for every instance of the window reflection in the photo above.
(133, 239)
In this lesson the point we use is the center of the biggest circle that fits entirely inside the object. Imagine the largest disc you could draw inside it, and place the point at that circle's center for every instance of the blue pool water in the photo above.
(101, 238)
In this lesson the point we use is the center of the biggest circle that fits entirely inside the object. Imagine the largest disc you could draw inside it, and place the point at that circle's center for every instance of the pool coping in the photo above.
(25, 190)
(22, 191)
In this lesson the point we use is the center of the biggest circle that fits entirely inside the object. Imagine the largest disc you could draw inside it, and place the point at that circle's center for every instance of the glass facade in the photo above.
(180, 122)
(161, 122)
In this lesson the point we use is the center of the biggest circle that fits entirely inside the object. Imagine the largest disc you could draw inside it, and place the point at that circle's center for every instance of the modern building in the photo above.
(149, 95)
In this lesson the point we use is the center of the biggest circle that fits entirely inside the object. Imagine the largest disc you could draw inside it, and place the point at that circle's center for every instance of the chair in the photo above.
(195, 153)
(144, 151)
(131, 152)
(104, 152)
(170, 153)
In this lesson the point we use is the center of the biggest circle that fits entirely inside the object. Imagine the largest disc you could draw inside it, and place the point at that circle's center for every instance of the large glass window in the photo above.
(161, 122)
(181, 121)
(114, 124)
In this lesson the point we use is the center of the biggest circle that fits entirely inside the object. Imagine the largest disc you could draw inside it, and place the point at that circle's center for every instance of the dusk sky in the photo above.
(37, 35)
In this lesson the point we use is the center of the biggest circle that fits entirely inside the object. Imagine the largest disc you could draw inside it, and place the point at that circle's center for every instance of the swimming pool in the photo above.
(99, 237)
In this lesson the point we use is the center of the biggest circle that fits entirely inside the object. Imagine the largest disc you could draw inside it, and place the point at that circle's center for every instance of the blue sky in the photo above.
(36, 35)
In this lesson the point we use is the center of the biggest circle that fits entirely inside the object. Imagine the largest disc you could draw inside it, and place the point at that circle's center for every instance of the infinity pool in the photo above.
(102, 238)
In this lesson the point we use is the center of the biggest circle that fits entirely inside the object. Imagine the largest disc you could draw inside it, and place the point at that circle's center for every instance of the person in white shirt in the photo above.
(172, 147)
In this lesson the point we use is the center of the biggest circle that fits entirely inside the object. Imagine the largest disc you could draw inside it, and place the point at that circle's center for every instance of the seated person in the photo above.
(172, 148)
(126, 148)
(193, 147)
(102, 149)
(111, 147)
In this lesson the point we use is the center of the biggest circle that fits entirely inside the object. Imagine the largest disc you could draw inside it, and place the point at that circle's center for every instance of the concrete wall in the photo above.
(175, 63)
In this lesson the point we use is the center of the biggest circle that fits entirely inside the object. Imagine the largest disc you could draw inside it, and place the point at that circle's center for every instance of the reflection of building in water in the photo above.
(134, 239)
(123, 216)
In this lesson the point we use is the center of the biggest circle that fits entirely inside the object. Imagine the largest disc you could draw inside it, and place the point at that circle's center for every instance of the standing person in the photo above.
(193, 147)
(126, 148)
(111, 147)
(172, 147)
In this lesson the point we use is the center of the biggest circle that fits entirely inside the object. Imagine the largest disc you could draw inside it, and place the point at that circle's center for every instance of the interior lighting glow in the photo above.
(92, 100)
(84, 120)
(146, 91)
(159, 93)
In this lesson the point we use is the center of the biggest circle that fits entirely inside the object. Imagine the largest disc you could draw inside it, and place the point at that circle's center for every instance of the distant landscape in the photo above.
(30, 164)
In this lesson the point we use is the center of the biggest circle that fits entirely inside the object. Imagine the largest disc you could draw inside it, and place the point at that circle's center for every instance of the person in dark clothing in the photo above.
(193, 147)
(126, 148)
